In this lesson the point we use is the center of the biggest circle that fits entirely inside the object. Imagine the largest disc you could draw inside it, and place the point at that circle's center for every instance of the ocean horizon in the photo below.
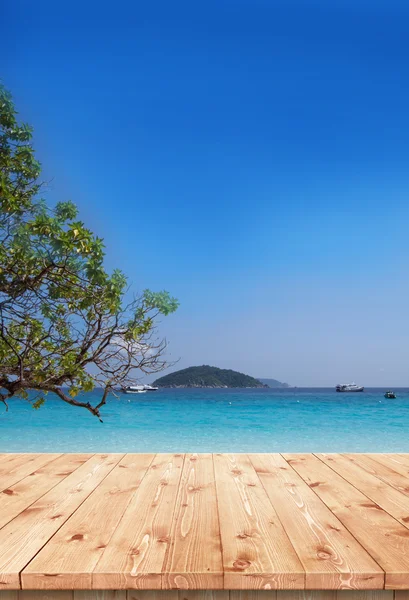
(215, 420)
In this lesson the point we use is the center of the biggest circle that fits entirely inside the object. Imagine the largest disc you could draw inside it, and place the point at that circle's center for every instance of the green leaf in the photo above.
(38, 403)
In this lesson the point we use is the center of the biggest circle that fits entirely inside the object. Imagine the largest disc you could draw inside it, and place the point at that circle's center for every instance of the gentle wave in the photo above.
(203, 420)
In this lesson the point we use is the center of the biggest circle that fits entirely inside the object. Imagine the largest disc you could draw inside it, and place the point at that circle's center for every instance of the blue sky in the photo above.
(249, 156)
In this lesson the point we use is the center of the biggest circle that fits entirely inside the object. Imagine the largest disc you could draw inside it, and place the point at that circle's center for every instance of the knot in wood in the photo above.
(241, 564)
(324, 554)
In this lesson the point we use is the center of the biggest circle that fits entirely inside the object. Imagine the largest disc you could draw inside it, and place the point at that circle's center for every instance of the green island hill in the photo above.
(208, 377)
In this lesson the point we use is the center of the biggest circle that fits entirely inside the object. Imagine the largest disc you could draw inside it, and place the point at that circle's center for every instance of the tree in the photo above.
(64, 321)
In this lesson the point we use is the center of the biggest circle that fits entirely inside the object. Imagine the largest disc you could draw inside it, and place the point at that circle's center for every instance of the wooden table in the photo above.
(236, 524)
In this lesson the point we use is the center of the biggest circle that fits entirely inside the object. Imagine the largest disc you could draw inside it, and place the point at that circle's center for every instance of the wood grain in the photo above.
(380, 534)
(355, 472)
(330, 555)
(9, 595)
(194, 557)
(203, 595)
(152, 595)
(386, 467)
(136, 552)
(14, 467)
(19, 496)
(23, 537)
(258, 594)
(366, 595)
(204, 527)
(100, 595)
(45, 595)
(257, 553)
(70, 557)
(309, 595)
(400, 458)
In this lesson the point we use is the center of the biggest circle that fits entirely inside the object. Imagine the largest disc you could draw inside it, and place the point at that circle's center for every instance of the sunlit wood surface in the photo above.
(231, 523)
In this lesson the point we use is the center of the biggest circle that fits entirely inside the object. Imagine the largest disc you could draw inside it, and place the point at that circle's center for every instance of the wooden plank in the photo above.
(261, 594)
(380, 534)
(330, 555)
(11, 460)
(402, 458)
(389, 468)
(135, 555)
(202, 595)
(100, 594)
(366, 595)
(390, 499)
(19, 496)
(398, 462)
(168, 536)
(40, 595)
(9, 595)
(72, 554)
(309, 595)
(175, 595)
(151, 595)
(256, 551)
(23, 537)
(194, 559)
(14, 467)
(385, 468)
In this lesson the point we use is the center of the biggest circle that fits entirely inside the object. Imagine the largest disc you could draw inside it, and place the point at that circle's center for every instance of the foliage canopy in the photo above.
(206, 376)
(65, 326)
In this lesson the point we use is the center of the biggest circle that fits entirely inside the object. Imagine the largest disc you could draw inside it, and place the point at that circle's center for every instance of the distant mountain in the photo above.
(273, 383)
(208, 377)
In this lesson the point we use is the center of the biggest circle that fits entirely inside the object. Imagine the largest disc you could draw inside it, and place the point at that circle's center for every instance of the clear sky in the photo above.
(250, 156)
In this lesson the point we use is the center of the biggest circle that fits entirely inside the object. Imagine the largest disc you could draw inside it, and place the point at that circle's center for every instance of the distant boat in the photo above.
(390, 395)
(349, 387)
(139, 389)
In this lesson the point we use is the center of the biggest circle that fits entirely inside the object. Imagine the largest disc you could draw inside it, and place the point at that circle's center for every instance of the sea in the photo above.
(214, 420)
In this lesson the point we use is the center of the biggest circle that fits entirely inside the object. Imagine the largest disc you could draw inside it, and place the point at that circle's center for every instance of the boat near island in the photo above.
(349, 387)
(139, 389)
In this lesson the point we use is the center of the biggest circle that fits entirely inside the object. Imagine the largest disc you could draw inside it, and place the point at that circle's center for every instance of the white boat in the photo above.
(139, 389)
(349, 387)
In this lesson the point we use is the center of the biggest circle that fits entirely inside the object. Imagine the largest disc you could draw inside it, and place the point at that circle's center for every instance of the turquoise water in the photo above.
(301, 420)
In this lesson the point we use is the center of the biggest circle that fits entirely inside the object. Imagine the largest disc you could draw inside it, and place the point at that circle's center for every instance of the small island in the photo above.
(208, 377)
(274, 383)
